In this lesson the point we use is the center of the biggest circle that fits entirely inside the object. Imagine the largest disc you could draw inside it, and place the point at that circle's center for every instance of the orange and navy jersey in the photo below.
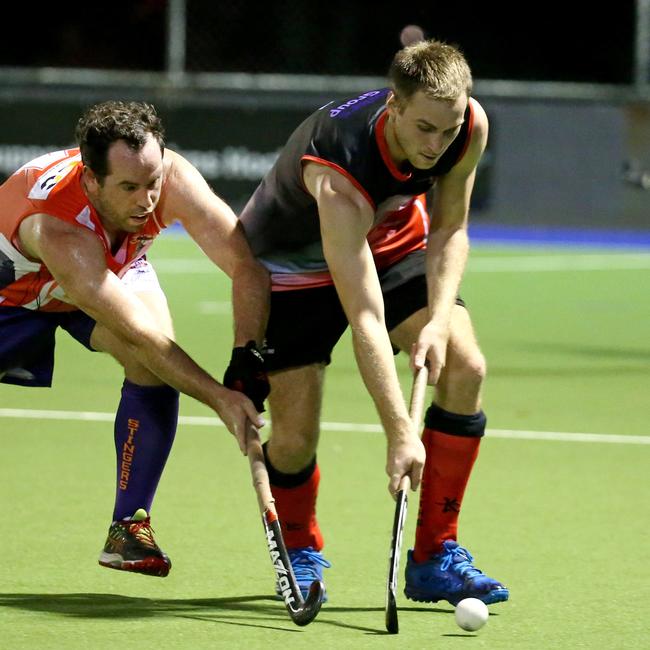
(51, 184)
(281, 218)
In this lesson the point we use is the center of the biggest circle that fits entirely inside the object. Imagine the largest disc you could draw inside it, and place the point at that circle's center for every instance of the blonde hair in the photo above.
(437, 68)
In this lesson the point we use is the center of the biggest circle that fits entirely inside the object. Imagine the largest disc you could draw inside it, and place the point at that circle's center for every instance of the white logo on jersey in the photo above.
(48, 180)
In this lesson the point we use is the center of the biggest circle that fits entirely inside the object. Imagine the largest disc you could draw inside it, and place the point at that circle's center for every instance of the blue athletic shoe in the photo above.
(450, 576)
(307, 565)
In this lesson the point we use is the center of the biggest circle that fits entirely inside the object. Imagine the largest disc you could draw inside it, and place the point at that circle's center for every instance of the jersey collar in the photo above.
(380, 137)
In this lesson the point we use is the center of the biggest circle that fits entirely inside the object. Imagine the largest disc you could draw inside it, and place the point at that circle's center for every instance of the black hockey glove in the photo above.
(247, 375)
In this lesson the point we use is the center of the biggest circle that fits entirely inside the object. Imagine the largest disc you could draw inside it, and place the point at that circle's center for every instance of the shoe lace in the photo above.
(304, 561)
(143, 532)
(460, 560)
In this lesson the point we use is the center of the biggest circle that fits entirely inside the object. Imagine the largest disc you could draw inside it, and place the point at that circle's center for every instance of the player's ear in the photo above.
(92, 180)
(392, 103)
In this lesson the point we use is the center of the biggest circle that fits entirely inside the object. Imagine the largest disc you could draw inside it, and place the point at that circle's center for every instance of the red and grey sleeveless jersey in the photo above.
(281, 218)
(51, 185)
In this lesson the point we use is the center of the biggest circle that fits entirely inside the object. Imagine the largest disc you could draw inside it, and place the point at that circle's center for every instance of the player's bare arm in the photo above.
(75, 259)
(448, 248)
(215, 228)
(345, 219)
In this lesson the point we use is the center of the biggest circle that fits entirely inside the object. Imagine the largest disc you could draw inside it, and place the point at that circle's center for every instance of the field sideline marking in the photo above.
(204, 421)
(501, 264)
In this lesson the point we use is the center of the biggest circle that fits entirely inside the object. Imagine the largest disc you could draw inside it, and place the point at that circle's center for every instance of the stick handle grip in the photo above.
(404, 484)
(259, 473)
(416, 407)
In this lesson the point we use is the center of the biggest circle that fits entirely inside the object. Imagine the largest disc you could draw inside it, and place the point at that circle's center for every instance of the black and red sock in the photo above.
(452, 444)
(295, 501)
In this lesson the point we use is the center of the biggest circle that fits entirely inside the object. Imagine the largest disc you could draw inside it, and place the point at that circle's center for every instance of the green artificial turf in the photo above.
(562, 523)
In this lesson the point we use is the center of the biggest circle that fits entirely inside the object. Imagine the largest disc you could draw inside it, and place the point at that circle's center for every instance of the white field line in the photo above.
(210, 307)
(195, 420)
(575, 262)
(505, 264)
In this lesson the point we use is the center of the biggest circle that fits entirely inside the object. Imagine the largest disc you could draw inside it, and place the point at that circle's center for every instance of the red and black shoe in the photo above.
(130, 546)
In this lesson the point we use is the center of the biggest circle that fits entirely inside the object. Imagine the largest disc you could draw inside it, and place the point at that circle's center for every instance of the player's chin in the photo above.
(424, 162)
(136, 224)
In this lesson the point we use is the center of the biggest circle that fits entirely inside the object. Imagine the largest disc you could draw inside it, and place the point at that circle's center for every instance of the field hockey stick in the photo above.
(302, 611)
(418, 393)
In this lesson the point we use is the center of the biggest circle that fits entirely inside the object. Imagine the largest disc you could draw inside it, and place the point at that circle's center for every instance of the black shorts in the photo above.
(305, 324)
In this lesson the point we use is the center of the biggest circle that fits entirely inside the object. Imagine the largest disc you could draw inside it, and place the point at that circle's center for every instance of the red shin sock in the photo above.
(297, 513)
(449, 462)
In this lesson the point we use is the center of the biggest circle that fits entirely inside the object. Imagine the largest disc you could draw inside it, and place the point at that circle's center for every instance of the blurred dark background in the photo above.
(560, 157)
(552, 41)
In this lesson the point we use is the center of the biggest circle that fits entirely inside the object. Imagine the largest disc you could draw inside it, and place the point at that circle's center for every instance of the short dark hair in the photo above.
(107, 122)
(436, 68)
